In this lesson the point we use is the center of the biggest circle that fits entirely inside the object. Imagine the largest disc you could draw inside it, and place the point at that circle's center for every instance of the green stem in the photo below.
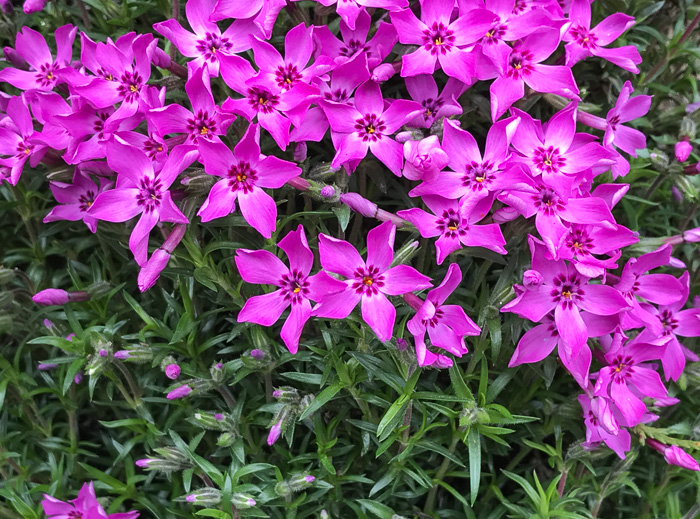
(668, 56)
(430, 500)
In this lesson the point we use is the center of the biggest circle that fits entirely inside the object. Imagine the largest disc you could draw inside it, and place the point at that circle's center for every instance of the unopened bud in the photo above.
(401, 344)
(15, 59)
(217, 372)
(383, 72)
(226, 439)
(322, 171)
(161, 58)
(179, 392)
(682, 149)
(172, 371)
(55, 296)
(46, 366)
(204, 497)
(274, 433)
(257, 354)
(405, 253)
(328, 192)
(78, 378)
(359, 204)
(240, 500)
(300, 152)
(414, 134)
(532, 279)
(209, 420)
(33, 6)
(136, 353)
(286, 394)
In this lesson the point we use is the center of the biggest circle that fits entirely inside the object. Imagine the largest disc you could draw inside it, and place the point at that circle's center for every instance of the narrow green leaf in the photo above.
(321, 399)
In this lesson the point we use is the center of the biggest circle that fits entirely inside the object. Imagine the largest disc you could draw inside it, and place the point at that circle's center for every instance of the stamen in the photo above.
(367, 280)
(241, 177)
(133, 88)
(566, 294)
(204, 130)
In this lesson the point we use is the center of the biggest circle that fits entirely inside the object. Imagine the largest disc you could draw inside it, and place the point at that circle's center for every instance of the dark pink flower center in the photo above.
(519, 64)
(75, 515)
(99, 125)
(431, 107)
(212, 45)
(438, 39)
(24, 149)
(241, 177)
(262, 100)
(613, 122)
(370, 128)
(548, 159)
(367, 281)
(45, 75)
(131, 83)
(202, 125)
(353, 47)
(578, 242)
(567, 290)
(495, 34)
(287, 76)
(622, 368)
(339, 95)
(669, 322)
(452, 225)
(584, 37)
(152, 148)
(478, 176)
(547, 201)
(433, 321)
(295, 287)
(150, 194)
(86, 200)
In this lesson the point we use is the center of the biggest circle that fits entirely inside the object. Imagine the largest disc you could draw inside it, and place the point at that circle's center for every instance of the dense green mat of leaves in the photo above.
(383, 437)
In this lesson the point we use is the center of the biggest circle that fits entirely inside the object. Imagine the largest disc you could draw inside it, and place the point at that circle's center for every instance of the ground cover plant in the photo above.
(353, 258)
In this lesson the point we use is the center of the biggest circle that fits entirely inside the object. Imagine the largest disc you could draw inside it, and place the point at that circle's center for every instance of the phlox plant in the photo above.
(364, 258)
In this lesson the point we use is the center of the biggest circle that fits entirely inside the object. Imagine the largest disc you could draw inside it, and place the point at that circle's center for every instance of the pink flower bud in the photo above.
(49, 324)
(78, 377)
(172, 371)
(532, 279)
(401, 344)
(277, 393)
(676, 193)
(102, 353)
(274, 434)
(300, 152)
(51, 296)
(674, 455)
(150, 273)
(6, 6)
(46, 367)
(383, 72)
(682, 150)
(70, 337)
(218, 417)
(15, 59)
(179, 392)
(309, 478)
(251, 502)
(257, 354)
(442, 362)
(328, 192)
(161, 58)
(359, 204)
(191, 498)
(122, 354)
(144, 463)
(33, 6)
(692, 235)
(424, 159)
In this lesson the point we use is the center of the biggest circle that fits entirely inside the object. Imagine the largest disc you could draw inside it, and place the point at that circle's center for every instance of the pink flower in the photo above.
(436, 105)
(56, 297)
(274, 433)
(149, 274)
(17, 139)
(76, 199)
(367, 282)
(424, 159)
(682, 149)
(262, 12)
(179, 392)
(296, 287)
(602, 426)
(350, 10)
(85, 505)
(447, 325)
(244, 173)
(172, 371)
(674, 455)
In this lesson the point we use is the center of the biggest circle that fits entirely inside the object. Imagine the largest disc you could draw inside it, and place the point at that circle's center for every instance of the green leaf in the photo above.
(392, 417)
(343, 213)
(474, 444)
(321, 399)
(377, 508)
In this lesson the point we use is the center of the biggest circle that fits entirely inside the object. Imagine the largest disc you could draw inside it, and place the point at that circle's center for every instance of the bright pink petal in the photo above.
(259, 210)
(338, 305)
(339, 256)
(534, 346)
(291, 330)
(402, 279)
(571, 327)
(379, 314)
(380, 246)
(294, 244)
(264, 310)
(138, 241)
(260, 267)
(116, 205)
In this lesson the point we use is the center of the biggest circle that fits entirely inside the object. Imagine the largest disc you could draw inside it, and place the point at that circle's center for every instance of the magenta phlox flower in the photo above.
(510, 25)
(265, 100)
(663, 289)
(628, 377)
(474, 175)
(75, 199)
(17, 134)
(617, 135)
(524, 67)
(244, 173)
(296, 287)
(207, 43)
(447, 325)
(121, 76)
(367, 282)
(262, 12)
(32, 47)
(204, 122)
(368, 125)
(354, 41)
(436, 105)
(554, 152)
(674, 455)
(85, 506)
(601, 426)
(350, 10)
(441, 41)
(149, 274)
(46, 107)
(584, 242)
(140, 190)
(454, 221)
(424, 159)
(584, 41)
(345, 78)
(675, 322)
(567, 292)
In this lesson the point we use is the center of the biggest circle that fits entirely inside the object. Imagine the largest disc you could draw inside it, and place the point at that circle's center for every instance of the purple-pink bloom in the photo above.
(17, 139)
(584, 41)
(149, 274)
(567, 292)
(367, 282)
(32, 46)
(441, 41)
(274, 433)
(262, 12)
(56, 296)
(601, 425)
(85, 505)
(447, 325)
(207, 43)
(75, 199)
(296, 287)
(436, 105)
(244, 173)
(524, 67)
(172, 371)
(682, 149)
(368, 125)
(472, 175)
(350, 10)
(454, 221)
(674, 455)
(33, 6)
(204, 123)
(424, 159)
(179, 392)
(628, 377)
(140, 190)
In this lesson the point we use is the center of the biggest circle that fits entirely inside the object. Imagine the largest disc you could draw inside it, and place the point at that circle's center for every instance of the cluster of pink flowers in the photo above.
(129, 146)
